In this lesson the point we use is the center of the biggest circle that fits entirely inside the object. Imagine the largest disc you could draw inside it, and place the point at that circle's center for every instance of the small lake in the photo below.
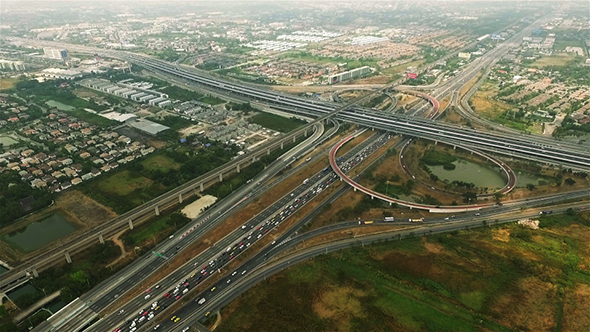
(480, 175)
(22, 290)
(40, 233)
(59, 106)
(7, 141)
(3, 270)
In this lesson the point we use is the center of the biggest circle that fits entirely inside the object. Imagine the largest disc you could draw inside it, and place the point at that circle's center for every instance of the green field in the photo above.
(159, 162)
(502, 278)
(7, 83)
(275, 122)
(124, 190)
(561, 44)
(553, 60)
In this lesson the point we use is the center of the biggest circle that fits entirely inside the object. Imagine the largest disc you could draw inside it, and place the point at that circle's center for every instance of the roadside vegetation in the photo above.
(499, 278)
(276, 122)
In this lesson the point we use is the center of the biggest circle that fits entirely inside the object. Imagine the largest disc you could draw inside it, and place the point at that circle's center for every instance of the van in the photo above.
(201, 301)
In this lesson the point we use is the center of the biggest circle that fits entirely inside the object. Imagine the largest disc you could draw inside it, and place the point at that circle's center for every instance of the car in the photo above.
(117, 330)
(171, 236)
(141, 319)
(145, 313)
(176, 298)
(186, 329)
(173, 318)
(147, 296)
(156, 308)
(157, 286)
(201, 301)
(208, 313)
(228, 281)
(140, 312)
(167, 295)
(213, 289)
(185, 291)
(233, 274)
(120, 312)
(177, 319)
(156, 327)
(446, 218)
(243, 272)
(477, 214)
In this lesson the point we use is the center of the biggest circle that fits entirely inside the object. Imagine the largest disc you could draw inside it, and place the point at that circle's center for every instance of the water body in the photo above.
(3, 270)
(40, 233)
(20, 291)
(7, 141)
(55, 306)
(59, 106)
(480, 175)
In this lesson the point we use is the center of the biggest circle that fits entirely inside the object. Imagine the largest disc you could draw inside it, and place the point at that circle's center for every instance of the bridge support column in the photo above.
(100, 239)
(157, 210)
(454, 147)
(238, 167)
(68, 258)
(35, 273)
(179, 198)
(435, 142)
(294, 138)
(372, 128)
(354, 188)
(389, 203)
(281, 145)
(305, 133)
(372, 197)
(202, 187)
(267, 152)
(254, 159)
(220, 177)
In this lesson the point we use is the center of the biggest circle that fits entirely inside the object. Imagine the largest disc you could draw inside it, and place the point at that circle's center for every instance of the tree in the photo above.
(469, 196)
(498, 196)
(570, 181)
(530, 186)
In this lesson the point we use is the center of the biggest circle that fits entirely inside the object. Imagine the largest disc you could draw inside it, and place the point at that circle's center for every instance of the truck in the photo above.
(305, 181)
(546, 212)
(388, 219)
(416, 220)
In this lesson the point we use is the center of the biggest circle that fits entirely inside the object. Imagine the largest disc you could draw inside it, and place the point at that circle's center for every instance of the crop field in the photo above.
(500, 278)
(559, 59)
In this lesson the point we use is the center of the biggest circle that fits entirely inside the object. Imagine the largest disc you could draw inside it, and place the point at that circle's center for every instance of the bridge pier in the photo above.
(179, 198)
(389, 203)
(68, 258)
(305, 133)
(220, 177)
(254, 159)
(130, 223)
(157, 210)
(238, 167)
(202, 187)
(454, 147)
(281, 145)
(354, 188)
(372, 197)
(294, 138)
(100, 239)
(435, 142)
(35, 273)
(267, 152)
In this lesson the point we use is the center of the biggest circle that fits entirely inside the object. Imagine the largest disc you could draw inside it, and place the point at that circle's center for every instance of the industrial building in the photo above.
(12, 65)
(54, 53)
(147, 126)
(347, 75)
(134, 91)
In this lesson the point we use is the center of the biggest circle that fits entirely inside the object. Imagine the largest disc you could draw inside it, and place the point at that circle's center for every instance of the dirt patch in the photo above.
(575, 309)
(195, 208)
(531, 307)
(339, 305)
(431, 247)
(501, 234)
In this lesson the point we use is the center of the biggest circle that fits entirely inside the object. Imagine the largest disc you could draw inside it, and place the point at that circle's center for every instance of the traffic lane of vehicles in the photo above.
(224, 282)
(206, 270)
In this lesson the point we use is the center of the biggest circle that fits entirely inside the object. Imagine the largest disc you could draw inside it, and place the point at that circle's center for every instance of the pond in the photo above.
(22, 290)
(522, 179)
(480, 175)
(59, 106)
(39, 233)
(3, 270)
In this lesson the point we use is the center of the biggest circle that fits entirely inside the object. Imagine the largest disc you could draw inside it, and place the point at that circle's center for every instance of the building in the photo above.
(61, 73)
(464, 55)
(147, 126)
(347, 75)
(54, 53)
(12, 65)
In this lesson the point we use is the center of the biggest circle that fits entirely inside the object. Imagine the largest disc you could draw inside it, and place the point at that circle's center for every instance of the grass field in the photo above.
(401, 68)
(559, 59)
(7, 83)
(561, 44)
(159, 162)
(502, 278)
(124, 190)
(275, 122)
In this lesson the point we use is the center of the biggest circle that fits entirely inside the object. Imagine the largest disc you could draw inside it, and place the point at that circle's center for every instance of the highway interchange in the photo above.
(211, 260)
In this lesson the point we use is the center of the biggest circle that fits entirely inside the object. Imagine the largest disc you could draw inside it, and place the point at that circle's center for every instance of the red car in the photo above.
(145, 313)
(167, 295)
(177, 297)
